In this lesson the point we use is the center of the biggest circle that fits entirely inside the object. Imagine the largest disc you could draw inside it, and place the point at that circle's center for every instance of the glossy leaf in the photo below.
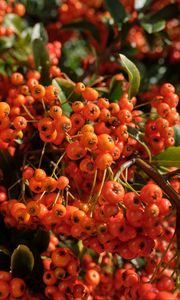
(139, 4)
(61, 85)
(43, 10)
(111, 32)
(133, 74)
(15, 22)
(41, 59)
(154, 27)
(115, 90)
(117, 11)
(83, 25)
(40, 52)
(39, 32)
(170, 157)
(138, 136)
(177, 135)
(34, 281)
(168, 12)
(5, 260)
(40, 240)
(6, 42)
(22, 261)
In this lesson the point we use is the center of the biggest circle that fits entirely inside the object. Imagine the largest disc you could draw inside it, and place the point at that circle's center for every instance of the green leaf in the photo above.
(15, 22)
(43, 10)
(139, 262)
(168, 12)
(40, 33)
(117, 11)
(115, 89)
(61, 85)
(6, 42)
(2, 67)
(22, 261)
(168, 158)
(154, 27)
(83, 25)
(42, 60)
(177, 135)
(110, 30)
(40, 240)
(139, 136)
(40, 52)
(133, 74)
(5, 260)
(139, 4)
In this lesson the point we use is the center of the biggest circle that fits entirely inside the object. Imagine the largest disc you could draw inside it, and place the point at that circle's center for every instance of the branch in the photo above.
(173, 196)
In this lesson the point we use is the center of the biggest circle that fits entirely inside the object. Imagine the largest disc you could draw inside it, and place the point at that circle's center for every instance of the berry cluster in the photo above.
(11, 288)
(160, 132)
(74, 201)
(83, 195)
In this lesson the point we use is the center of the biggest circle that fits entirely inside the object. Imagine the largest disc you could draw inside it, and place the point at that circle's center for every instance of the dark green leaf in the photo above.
(63, 85)
(83, 26)
(39, 33)
(139, 4)
(133, 74)
(166, 38)
(7, 162)
(154, 27)
(115, 89)
(5, 260)
(139, 262)
(15, 22)
(2, 67)
(117, 11)
(138, 136)
(168, 12)
(110, 29)
(169, 157)
(22, 261)
(43, 10)
(40, 240)
(34, 281)
(128, 50)
(177, 135)
(42, 60)
(40, 52)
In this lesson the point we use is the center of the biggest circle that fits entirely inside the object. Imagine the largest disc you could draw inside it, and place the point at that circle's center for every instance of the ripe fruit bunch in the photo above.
(89, 178)
(88, 199)
(101, 126)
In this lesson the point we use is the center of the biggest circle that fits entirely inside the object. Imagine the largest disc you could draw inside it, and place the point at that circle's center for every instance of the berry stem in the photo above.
(161, 261)
(58, 162)
(42, 154)
(28, 112)
(93, 186)
(100, 190)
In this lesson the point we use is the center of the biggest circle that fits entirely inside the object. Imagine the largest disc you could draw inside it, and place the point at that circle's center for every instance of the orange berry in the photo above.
(62, 182)
(17, 287)
(17, 78)
(90, 94)
(38, 91)
(19, 9)
(79, 87)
